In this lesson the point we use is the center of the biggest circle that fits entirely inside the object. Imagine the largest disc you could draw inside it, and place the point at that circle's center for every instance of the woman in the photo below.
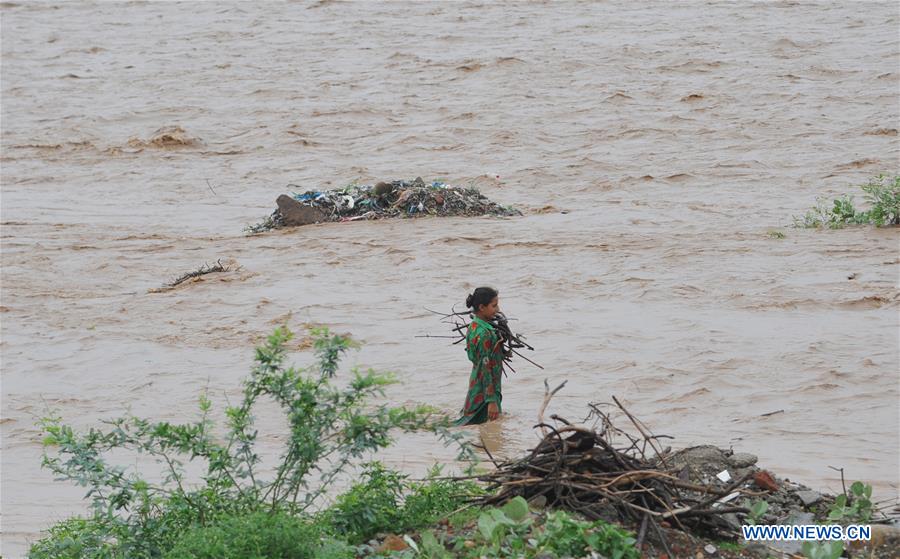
(483, 345)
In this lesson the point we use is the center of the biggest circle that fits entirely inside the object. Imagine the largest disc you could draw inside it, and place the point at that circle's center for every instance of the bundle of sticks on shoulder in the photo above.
(509, 341)
(580, 468)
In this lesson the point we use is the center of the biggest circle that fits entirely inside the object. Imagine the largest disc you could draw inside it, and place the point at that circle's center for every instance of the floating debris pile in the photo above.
(394, 199)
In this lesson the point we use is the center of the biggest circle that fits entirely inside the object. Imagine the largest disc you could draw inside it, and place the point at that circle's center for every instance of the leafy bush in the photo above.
(428, 501)
(565, 536)
(387, 502)
(369, 507)
(883, 195)
(258, 535)
(757, 510)
(331, 428)
(855, 508)
(76, 538)
(512, 532)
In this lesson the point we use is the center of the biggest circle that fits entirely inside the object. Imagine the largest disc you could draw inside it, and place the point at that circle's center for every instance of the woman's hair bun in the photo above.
(481, 296)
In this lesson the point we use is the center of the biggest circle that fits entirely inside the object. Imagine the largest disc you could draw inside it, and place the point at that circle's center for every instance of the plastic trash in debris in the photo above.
(724, 476)
(726, 498)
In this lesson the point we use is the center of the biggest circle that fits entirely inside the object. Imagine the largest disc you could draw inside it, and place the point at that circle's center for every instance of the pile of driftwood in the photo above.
(584, 469)
(509, 342)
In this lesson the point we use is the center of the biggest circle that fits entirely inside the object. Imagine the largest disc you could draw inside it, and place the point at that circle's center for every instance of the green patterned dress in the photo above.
(485, 353)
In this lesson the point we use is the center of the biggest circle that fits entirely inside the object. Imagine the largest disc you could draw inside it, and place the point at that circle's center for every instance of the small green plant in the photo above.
(369, 507)
(431, 548)
(566, 536)
(258, 534)
(430, 500)
(822, 550)
(495, 524)
(882, 193)
(511, 531)
(775, 235)
(75, 538)
(757, 510)
(855, 508)
(843, 212)
(386, 501)
(840, 214)
(726, 545)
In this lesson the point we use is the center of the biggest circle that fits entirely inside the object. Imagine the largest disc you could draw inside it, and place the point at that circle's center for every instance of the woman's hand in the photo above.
(493, 411)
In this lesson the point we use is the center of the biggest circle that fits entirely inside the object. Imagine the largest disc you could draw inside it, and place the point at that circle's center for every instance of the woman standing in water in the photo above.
(484, 347)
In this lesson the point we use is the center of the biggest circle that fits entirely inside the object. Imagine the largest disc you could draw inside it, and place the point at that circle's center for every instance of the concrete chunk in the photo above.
(809, 497)
(294, 213)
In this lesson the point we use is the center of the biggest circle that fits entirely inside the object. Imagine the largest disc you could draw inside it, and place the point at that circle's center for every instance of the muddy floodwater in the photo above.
(656, 151)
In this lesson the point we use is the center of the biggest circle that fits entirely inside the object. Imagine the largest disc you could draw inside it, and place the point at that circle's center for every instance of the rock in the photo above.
(294, 213)
(764, 480)
(743, 459)
(702, 462)
(733, 521)
(710, 549)
(795, 518)
(809, 498)
(703, 454)
(382, 188)
(392, 543)
(538, 502)
(798, 518)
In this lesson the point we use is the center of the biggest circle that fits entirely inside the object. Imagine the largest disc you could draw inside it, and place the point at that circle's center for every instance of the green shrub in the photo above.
(385, 501)
(883, 195)
(369, 507)
(512, 531)
(331, 429)
(428, 501)
(566, 536)
(855, 508)
(76, 538)
(258, 535)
